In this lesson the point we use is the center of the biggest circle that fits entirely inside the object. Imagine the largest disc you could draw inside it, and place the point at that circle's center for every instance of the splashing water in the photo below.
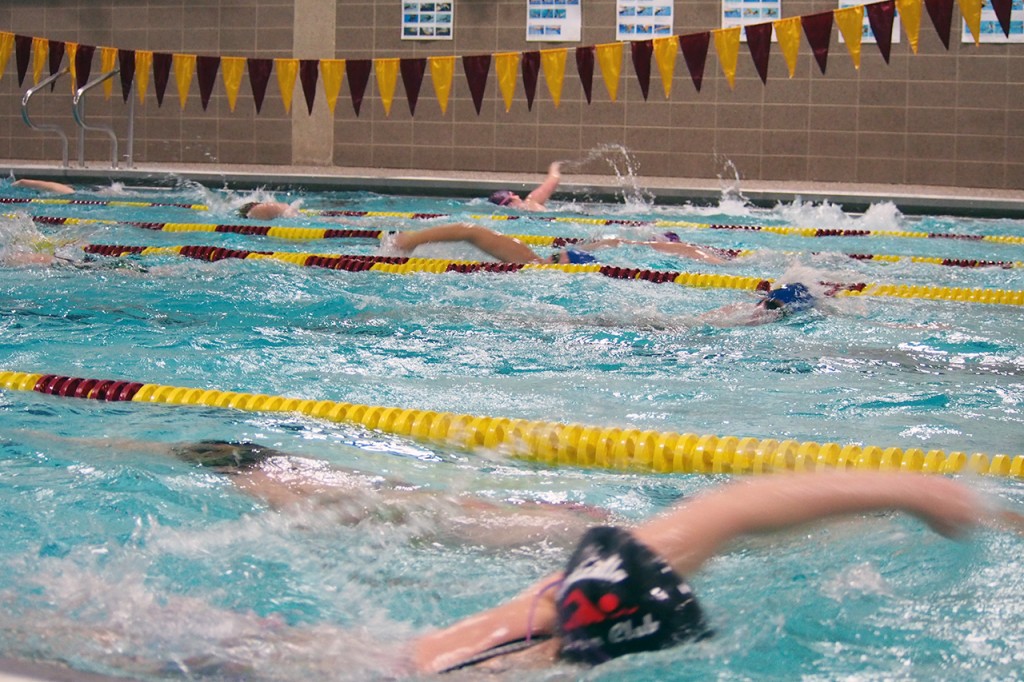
(622, 163)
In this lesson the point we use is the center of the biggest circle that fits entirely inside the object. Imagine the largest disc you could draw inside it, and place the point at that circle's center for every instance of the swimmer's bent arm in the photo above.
(697, 530)
(500, 246)
(44, 186)
(548, 187)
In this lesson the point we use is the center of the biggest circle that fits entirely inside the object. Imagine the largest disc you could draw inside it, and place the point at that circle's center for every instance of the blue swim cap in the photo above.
(791, 298)
(618, 597)
(577, 257)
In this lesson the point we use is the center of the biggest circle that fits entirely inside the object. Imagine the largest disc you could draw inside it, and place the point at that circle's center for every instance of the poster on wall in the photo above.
(867, 35)
(553, 20)
(991, 31)
(427, 20)
(643, 19)
(744, 12)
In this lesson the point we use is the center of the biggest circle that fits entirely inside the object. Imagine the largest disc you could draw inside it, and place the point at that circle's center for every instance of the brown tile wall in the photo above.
(939, 117)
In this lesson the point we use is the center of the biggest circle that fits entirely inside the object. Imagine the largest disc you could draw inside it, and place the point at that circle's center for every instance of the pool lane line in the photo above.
(118, 203)
(407, 265)
(552, 443)
(317, 233)
(775, 229)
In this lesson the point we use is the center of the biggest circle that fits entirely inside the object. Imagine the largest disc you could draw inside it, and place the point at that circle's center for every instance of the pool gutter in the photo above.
(910, 199)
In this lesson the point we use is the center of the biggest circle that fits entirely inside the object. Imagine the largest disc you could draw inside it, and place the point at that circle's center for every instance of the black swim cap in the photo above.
(244, 209)
(618, 597)
(501, 197)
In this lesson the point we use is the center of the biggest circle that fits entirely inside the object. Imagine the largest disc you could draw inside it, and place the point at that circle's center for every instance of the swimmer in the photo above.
(624, 591)
(776, 304)
(535, 200)
(267, 210)
(44, 186)
(510, 250)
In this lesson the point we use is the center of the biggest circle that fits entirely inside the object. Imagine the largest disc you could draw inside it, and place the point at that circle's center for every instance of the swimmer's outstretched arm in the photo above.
(502, 247)
(681, 249)
(699, 528)
(541, 195)
(44, 186)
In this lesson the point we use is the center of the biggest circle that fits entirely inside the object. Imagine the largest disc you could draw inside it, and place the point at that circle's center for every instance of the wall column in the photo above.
(313, 135)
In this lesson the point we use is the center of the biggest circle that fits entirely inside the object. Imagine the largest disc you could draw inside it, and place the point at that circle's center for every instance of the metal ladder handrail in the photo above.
(46, 127)
(78, 111)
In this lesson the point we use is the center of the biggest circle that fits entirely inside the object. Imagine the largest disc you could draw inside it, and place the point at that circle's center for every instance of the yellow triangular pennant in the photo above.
(727, 46)
(143, 67)
(441, 71)
(386, 71)
(910, 17)
(665, 52)
(851, 25)
(108, 62)
(232, 69)
(6, 48)
(333, 73)
(287, 70)
(506, 65)
(553, 64)
(40, 51)
(184, 70)
(788, 33)
(971, 9)
(609, 56)
(71, 49)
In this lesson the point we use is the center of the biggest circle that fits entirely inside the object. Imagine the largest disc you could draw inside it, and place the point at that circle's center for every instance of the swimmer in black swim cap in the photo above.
(621, 592)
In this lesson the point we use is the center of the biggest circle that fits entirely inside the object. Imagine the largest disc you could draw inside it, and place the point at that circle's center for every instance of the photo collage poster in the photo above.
(744, 12)
(991, 31)
(554, 20)
(427, 20)
(643, 19)
(867, 35)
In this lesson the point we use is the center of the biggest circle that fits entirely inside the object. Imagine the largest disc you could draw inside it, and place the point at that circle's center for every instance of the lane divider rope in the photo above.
(582, 220)
(551, 443)
(315, 233)
(406, 265)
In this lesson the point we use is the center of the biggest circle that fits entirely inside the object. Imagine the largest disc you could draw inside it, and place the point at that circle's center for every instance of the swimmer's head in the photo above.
(572, 257)
(224, 454)
(789, 298)
(243, 211)
(670, 237)
(618, 597)
(502, 197)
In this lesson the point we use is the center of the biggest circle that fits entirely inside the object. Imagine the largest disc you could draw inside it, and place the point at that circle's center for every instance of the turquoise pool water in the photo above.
(120, 559)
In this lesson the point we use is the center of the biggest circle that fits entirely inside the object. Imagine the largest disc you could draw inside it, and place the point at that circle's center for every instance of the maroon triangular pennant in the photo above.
(358, 73)
(309, 71)
(759, 41)
(531, 67)
(477, 67)
(941, 13)
(1002, 9)
(695, 52)
(412, 69)
(880, 16)
(641, 51)
(126, 62)
(206, 74)
(259, 76)
(585, 68)
(22, 53)
(83, 64)
(161, 74)
(818, 29)
(56, 57)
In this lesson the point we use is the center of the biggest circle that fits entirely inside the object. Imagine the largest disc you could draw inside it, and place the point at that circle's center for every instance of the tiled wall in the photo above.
(939, 117)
